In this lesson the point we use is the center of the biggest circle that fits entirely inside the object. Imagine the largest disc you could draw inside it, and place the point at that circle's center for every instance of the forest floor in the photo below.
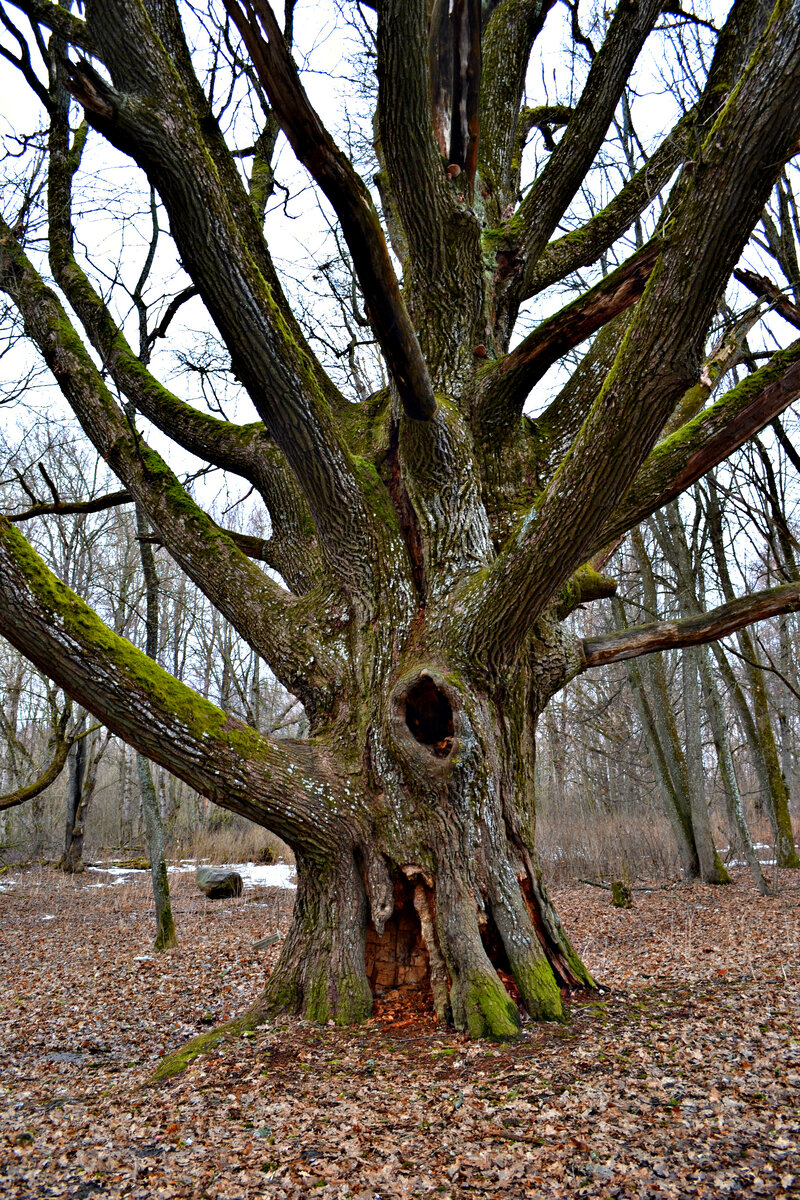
(682, 1080)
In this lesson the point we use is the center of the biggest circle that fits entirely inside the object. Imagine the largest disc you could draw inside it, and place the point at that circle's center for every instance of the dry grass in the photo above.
(578, 842)
(231, 844)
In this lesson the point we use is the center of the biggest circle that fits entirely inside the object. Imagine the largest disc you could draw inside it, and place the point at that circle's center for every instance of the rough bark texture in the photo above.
(429, 552)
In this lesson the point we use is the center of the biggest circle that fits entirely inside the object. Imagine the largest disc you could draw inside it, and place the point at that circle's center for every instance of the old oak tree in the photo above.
(428, 541)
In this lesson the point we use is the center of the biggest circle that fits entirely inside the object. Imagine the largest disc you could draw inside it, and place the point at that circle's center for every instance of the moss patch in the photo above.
(489, 1010)
(540, 991)
(178, 1061)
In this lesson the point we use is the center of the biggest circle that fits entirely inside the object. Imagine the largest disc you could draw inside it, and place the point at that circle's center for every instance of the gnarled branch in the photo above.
(286, 786)
(317, 151)
(691, 631)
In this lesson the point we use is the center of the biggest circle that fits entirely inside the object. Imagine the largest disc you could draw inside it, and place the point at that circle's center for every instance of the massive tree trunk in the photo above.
(430, 540)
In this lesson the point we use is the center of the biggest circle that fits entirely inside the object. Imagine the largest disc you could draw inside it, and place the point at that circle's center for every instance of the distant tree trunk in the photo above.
(72, 858)
(556, 790)
(82, 781)
(758, 729)
(684, 795)
(127, 806)
(739, 831)
(787, 733)
(10, 776)
(165, 924)
(672, 537)
(712, 869)
(653, 720)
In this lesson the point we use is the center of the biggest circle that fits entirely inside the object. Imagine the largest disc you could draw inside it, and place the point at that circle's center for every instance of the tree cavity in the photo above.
(429, 717)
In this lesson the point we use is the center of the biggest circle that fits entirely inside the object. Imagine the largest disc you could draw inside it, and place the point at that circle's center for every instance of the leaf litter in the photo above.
(682, 1079)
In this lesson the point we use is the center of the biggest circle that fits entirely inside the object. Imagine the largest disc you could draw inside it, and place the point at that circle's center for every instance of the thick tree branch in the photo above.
(171, 311)
(284, 785)
(713, 210)
(507, 383)
(263, 612)
(691, 451)
(789, 448)
(444, 273)
(60, 20)
(317, 152)
(692, 631)
(406, 122)
(152, 118)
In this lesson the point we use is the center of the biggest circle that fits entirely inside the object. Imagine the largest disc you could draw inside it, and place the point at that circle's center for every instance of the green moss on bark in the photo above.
(539, 990)
(489, 1011)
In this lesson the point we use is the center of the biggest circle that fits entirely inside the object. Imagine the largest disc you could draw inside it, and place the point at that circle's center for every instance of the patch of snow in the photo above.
(119, 876)
(185, 865)
(280, 875)
(48, 917)
(119, 870)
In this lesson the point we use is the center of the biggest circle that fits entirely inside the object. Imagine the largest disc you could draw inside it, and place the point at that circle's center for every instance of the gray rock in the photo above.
(218, 883)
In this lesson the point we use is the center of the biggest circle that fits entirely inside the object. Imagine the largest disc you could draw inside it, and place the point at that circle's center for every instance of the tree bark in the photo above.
(737, 824)
(165, 937)
(427, 567)
(72, 858)
(665, 754)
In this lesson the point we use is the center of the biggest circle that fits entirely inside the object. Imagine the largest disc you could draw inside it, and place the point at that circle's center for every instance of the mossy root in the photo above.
(175, 1063)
